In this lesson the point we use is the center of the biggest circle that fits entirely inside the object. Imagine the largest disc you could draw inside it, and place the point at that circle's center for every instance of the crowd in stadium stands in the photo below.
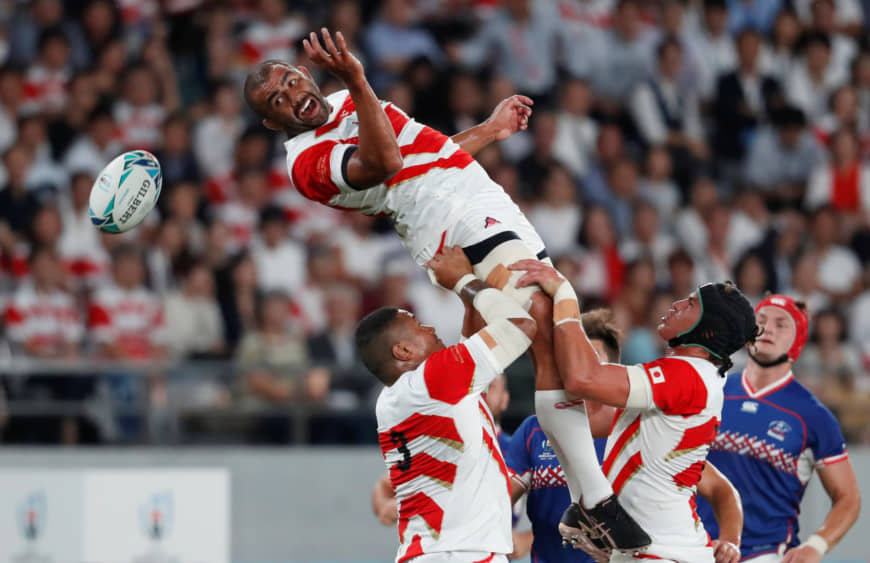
(673, 142)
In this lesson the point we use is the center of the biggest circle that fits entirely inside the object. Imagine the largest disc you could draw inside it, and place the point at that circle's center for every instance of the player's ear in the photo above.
(402, 352)
(269, 124)
(304, 70)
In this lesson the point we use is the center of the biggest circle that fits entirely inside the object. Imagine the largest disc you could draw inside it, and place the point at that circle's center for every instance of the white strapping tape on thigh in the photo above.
(493, 269)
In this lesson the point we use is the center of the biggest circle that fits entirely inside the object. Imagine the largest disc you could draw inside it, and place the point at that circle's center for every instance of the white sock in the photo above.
(569, 434)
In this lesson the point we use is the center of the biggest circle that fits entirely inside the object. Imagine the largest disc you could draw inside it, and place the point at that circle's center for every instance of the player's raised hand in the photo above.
(334, 56)
(802, 554)
(726, 552)
(449, 266)
(510, 116)
(539, 273)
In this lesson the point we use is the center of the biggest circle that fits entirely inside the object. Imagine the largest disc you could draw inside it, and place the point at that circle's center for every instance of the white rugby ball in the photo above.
(125, 191)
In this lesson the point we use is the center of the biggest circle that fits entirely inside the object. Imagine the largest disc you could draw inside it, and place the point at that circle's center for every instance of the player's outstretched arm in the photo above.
(839, 482)
(584, 375)
(508, 117)
(378, 156)
(728, 510)
(509, 329)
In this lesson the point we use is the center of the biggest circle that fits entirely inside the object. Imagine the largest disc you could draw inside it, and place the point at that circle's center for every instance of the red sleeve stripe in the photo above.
(449, 374)
(459, 159)
(624, 439)
(311, 172)
(441, 428)
(423, 506)
(831, 460)
(493, 449)
(694, 438)
(397, 118)
(424, 465)
(631, 467)
(482, 406)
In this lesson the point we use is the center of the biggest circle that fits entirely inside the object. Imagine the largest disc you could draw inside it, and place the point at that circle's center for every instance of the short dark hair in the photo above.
(598, 324)
(255, 80)
(370, 336)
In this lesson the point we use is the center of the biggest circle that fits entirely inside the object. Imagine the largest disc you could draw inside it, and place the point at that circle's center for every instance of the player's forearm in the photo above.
(842, 516)
(378, 147)
(728, 511)
(474, 139)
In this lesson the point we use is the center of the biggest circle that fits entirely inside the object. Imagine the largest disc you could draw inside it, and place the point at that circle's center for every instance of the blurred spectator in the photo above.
(465, 102)
(621, 59)
(215, 136)
(393, 40)
(519, 42)
(242, 213)
(649, 241)
(11, 97)
(193, 321)
(713, 46)
(576, 131)
(280, 261)
(101, 23)
(533, 168)
(127, 319)
(138, 113)
(844, 113)
(168, 257)
(236, 284)
(602, 272)
(86, 260)
(750, 275)
(843, 47)
(363, 252)
(781, 57)
(657, 187)
(783, 157)
(46, 80)
(27, 27)
(96, 146)
(42, 320)
(846, 15)
(844, 182)
(557, 215)
(273, 34)
(805, 283)
(667, 113)
(82, 99)
(757, 14)
(45, 177)
(810, 83)
(623, 195)
(111, 63)
(744, 99)
(183, 206)
(839, 269)
(176, 157)
(689, 225)
(18, 206)
(681, 267)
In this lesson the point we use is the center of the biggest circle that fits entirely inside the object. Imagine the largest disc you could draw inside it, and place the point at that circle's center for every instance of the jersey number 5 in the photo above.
(398, 438)
(657, 375)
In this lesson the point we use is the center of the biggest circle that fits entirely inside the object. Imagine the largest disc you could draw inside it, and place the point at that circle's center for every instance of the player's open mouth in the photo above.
(308, 108)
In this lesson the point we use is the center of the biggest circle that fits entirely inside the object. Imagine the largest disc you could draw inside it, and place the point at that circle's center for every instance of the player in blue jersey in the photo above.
(539, 475)
(774, 433)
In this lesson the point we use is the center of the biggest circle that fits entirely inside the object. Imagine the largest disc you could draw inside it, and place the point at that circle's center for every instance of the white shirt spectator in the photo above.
(439, 308)
(193, 324)
(557, 226)
(140, 127)
(575, 142)
(281, 268)
(363, 257)
(649, 116)
(84, 257)
(809, 96)
(241, 221)
(85, 156)
(715, 56)
(845, 11)
(263, 40)
(859, 322)
(839, 269)
(214, 141)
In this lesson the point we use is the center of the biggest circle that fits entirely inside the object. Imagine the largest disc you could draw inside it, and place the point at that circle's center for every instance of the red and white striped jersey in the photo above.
(44, 318)
(439, 443)
(437, 182)
(655, 456)
(140, 127)
(130, 319)
(267, 41)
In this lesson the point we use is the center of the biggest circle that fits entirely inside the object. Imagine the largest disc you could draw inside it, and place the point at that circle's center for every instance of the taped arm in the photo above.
(509, 328)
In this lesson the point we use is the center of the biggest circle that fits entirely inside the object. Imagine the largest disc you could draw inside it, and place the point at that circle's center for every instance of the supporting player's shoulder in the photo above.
(681, 385)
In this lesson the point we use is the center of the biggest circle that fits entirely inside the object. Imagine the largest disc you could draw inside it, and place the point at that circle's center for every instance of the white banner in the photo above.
(115, 516)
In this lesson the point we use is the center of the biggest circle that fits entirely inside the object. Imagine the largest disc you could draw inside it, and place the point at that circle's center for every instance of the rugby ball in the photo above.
(125, 191)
